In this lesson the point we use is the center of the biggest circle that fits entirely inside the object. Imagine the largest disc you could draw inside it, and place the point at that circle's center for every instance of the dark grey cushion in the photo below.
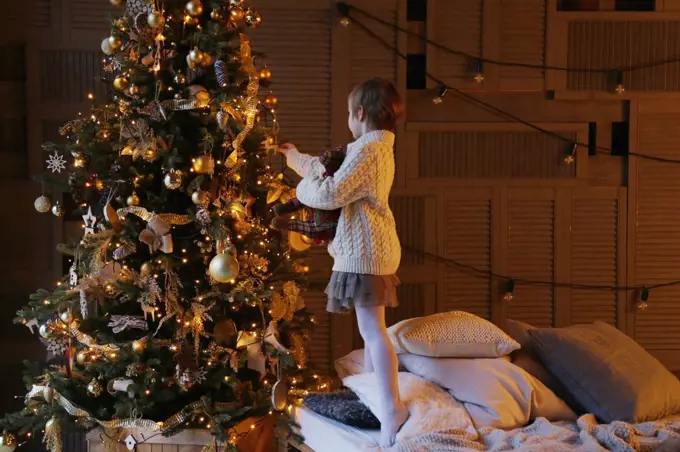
(343, 407)
(528, 359)
(608, 373)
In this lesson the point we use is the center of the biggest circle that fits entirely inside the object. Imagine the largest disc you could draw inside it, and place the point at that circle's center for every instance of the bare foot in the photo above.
(391, 425)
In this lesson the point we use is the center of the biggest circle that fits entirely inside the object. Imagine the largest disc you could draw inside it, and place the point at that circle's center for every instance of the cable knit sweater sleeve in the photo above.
(305, 165)
(356, 178)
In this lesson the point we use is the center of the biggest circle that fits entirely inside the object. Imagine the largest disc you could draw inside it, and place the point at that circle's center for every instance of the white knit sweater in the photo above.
(366, 239)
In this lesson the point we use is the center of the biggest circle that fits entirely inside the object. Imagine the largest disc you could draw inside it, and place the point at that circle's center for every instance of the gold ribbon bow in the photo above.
(157, 235)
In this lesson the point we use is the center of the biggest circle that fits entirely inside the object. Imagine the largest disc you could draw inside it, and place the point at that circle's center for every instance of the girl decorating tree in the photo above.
(366, 249)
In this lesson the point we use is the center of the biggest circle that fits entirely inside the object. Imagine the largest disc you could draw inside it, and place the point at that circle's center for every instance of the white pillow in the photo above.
(495, 392)
(455, 334)
(350, 364)
(431, 409)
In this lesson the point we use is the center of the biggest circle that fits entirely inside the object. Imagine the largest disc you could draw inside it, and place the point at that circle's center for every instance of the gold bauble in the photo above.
(42, 204)
(155, 19)
(46, 330)
(194, 8)
(196, 55)
(224, 267)
(180, 78)
(146, 268)
(265, 73)
(207, 60)
(297, 242)
(134, 89)
(8, 440)
(81, 357)
(236, 13)
(106, 47)
(66, 317)
(215, 14)
(204, 164)
(173, 180)
(253, 18)
(57, 210)
(150, 155)
(115, 42)
(200, 197)
(138, 346)
(133, 200)
(121, 83)
(236, 2)
(117, 2)
(271, 100)
(148, 59)
(94, 388)
(199, 94)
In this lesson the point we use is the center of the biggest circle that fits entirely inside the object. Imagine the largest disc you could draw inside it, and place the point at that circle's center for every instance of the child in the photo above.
(366, 249)
(321, 224)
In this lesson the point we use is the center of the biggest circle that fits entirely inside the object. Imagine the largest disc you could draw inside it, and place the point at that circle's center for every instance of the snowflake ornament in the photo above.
(56, 162)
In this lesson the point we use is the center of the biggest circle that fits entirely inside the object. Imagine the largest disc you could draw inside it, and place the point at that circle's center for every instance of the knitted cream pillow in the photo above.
(454, 334)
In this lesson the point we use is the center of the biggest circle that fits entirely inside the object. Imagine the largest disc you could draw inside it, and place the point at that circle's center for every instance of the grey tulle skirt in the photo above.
(347, 290)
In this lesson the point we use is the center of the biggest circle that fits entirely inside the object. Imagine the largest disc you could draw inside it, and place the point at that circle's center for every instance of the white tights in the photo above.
(380, 357)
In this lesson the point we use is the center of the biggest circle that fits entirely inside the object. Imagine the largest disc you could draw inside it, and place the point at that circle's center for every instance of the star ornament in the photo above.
(56, 162)
(90, 221)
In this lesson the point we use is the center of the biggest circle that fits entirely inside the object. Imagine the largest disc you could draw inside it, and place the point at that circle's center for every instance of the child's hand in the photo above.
(285, 147)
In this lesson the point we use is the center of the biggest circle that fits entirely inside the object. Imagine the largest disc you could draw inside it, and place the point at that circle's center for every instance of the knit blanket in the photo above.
(586, 435)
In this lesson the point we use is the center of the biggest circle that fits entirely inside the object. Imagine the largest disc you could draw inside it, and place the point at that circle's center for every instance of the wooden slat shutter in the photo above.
(621, 42)
(531, 253)
(465, 236)
(522, 40)
(368, 57)
(597, 238)
(296, 40)
(657, 236)
(493, 154)
(456, 24)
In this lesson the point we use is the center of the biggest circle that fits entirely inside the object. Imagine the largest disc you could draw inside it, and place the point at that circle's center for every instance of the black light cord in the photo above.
(487, 274)
(499, 112)
(617, 70)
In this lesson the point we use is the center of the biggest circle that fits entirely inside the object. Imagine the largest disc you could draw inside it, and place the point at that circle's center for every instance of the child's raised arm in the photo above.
(356, 178)
(303, 164)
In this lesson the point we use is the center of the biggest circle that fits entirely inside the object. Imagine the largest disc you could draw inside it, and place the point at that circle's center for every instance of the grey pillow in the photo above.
(344, 407)
(608, 373)
(528, 359)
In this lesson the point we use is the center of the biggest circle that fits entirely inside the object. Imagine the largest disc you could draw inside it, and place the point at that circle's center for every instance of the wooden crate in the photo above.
(187, 441)
(262, 440)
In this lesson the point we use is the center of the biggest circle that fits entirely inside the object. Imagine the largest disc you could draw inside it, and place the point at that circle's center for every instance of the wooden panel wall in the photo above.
(471, 186)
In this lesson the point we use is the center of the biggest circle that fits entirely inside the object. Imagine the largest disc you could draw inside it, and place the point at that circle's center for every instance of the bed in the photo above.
(325, 435)
(471, 387)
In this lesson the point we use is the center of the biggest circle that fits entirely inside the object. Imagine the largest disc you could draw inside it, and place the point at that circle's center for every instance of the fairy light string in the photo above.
(509, 282)
(346, 18)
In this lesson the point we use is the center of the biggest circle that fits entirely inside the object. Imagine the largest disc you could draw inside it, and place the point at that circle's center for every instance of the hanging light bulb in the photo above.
(479, 71)
(571, 156)
(509, 289)
(620, 89)
(343, 11)
(439, 98)
(642, 302)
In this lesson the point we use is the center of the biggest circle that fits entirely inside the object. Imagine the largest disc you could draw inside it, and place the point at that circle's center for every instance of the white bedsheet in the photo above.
(325, 435)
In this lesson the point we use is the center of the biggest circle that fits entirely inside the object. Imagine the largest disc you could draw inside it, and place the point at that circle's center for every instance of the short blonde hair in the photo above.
(381, 102)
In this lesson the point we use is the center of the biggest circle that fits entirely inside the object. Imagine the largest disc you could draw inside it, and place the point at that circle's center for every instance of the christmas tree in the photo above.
(182, 308)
